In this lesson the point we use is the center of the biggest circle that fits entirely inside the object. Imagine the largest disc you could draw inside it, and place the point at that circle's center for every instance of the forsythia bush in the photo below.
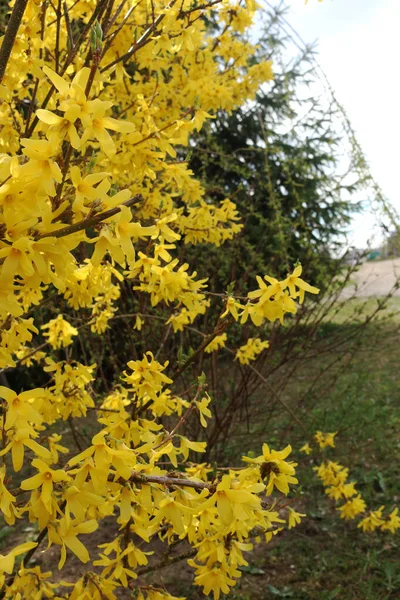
(96, 99)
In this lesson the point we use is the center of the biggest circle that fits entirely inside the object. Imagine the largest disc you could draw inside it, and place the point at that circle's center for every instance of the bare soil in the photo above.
(374, 278)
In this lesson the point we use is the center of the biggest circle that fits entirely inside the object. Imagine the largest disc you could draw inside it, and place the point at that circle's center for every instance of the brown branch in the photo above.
(58, 32)
(182, 420)
(110, 38)
(106, 16)
(11, 34)
(184, 13)
(74, 434)
(69, 29)
(95, 15)
(220, 328)
(281, 401)
(90, 222)
(167, 562)
(35, 90)
(142, 41)
(167, 481)
(107, 26)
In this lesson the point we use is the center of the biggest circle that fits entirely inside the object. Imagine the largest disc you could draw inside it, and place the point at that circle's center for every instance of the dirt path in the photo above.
(375, 279)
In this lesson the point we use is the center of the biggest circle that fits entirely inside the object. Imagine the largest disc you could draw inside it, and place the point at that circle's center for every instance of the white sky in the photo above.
(358, 42)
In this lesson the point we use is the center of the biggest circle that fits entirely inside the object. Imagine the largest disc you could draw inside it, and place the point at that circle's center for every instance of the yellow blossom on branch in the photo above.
(250, 350)
(60, 332)
(217, 343)
(97, 202)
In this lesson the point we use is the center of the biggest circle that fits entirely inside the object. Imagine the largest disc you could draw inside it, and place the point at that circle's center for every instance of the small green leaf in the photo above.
(252, 570)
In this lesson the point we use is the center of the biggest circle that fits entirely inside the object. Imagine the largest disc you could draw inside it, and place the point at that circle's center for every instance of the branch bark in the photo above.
(11, 34)
(90, 221)
(165, 480)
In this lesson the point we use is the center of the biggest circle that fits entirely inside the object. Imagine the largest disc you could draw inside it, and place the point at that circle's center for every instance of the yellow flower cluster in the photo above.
(334, 478)
(217, 343)
(325, 439)
(272, 300)
(59, 332)
(250, 350)
(97, 103)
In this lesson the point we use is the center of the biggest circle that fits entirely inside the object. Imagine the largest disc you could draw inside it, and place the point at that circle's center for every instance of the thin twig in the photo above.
(167, 562)
(182, 420)
(69, 29)
(142, 41)
(220, 328)
(281, 401)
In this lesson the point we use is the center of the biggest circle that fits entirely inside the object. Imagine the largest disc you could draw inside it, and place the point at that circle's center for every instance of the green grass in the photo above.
(355, 310)
(325, 557)
(364, 408)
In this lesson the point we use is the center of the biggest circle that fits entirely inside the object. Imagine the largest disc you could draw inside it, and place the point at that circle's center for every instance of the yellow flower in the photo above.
(266, 292)
(187, 445)
(213, 579)
(84, 187)
(69, 90)
(341, 490)
(332, 473)
(35, 259)
(325, 439)
(6, 499)
(272, 465)
(233, 502)
(231, 308)
(204, 411)
(174, 512)
(294, 518)
(217, 343)
(55, 447)
(65, 534)
(59, 128)
(293, 281)
(147, 378)
(116, 237)
(60, 332)
(250, 350)
(7, 561)
(373, 520)
(123, 459)
(80, 499)
(42, 168)
(199, 471)
(352, 508)
(21, 438)
(45, 479)
(138, 323)
(306, 448)
(97, 124)
(392, 522)
(19, 406)
(216, 581)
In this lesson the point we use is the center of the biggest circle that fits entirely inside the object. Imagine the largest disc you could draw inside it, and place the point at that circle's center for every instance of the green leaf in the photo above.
(252, 570)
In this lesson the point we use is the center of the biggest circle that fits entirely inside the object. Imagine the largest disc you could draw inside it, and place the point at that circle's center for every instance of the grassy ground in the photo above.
(326, 558)
(354, 310)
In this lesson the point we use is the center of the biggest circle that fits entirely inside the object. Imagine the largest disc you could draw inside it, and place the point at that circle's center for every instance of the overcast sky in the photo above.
(359, 50)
